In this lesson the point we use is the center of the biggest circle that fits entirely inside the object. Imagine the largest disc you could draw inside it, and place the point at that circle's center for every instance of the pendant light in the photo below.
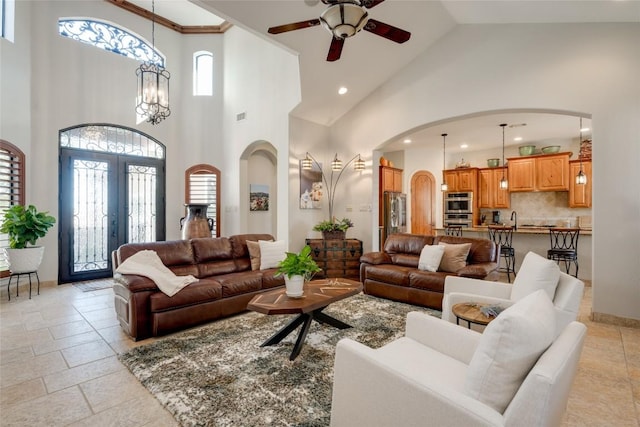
(504, 184)
(581, 178)
(444, 186)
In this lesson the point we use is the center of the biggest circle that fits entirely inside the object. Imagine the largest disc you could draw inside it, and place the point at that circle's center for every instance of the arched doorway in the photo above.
(423, 208)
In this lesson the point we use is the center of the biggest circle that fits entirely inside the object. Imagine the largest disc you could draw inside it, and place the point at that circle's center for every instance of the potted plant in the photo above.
(25, 226)
(297, 268)
(333, 229)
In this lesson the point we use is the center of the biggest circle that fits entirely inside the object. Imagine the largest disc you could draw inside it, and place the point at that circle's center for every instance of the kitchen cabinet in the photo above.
(579, 195)
(490, 195)
(463, 179)
(547, 172)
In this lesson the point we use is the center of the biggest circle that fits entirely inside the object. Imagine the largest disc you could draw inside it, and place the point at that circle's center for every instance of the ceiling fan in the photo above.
(344, 18)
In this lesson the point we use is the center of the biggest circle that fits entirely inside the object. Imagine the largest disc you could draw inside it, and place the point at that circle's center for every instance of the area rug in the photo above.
(218, 375)
(94, 285)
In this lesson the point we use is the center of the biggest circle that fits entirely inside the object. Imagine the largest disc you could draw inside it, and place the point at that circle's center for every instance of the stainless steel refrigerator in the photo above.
(395, 214)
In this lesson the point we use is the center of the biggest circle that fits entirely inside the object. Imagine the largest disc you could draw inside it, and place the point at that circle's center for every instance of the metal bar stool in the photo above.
(564, 247)
(503, 236)
(17, 276)
(453, 230)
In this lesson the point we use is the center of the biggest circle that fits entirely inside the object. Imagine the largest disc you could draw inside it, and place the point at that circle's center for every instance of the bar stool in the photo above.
(453, 230)
(17, 276)
(564, 247)
(503, 236)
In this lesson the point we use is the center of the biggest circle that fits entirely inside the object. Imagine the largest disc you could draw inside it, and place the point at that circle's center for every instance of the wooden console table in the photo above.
(336, 258)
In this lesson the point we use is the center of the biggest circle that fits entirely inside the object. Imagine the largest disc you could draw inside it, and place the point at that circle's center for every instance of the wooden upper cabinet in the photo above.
(548, 172)
(490, 195)
(579, 195)
(463, 179)
(390, 179)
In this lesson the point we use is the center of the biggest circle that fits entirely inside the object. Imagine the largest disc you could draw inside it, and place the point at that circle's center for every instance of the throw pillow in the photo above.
(254, 254)
(430, 257)
(271, 253)
(509, 347)
(535, 273)
(454, 257)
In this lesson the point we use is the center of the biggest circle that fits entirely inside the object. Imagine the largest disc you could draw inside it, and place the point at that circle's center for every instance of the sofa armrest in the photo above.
(135, 283)
(376, 258)
(367, 391)
(477, 271)
(447, 338)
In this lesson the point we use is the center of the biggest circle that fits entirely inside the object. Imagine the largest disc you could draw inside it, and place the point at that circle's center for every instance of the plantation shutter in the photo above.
(202, 186)
(12, 189)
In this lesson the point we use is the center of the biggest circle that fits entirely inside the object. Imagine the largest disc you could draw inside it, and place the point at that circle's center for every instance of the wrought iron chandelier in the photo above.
(152, 101)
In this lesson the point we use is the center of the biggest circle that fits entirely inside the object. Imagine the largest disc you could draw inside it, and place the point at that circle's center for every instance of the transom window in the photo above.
(109, 37)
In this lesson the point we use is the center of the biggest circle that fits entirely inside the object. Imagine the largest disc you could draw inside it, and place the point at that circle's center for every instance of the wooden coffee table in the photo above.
(471, 313)
(318, 294)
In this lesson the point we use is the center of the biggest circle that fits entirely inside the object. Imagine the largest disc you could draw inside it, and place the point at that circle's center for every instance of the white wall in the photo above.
(588, 69)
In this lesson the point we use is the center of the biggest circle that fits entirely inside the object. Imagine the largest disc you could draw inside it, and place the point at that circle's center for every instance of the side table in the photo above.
(336, 257)
(470, 312)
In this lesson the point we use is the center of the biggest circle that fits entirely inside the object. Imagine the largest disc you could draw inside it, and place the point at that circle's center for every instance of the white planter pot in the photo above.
(294, 286)
(25, 260)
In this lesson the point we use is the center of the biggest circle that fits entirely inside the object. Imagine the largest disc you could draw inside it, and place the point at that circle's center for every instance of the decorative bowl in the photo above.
(550, 149)
(493, 163)
(527, 150)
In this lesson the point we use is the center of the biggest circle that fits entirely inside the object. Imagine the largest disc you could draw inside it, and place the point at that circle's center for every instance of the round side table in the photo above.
(470, 312)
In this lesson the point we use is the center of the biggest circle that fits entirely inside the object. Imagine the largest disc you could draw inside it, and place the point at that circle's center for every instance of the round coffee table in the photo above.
(470, 312)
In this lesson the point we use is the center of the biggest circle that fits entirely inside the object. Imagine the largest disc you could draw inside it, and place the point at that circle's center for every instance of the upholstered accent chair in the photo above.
(536, 272)
(515, 373)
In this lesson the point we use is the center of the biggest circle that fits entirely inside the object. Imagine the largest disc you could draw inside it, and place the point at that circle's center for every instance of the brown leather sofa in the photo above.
(393, 273)
(226, 284)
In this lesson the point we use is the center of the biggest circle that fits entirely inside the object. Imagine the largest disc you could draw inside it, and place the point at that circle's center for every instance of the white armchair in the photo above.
(567, 290)
(421, 379)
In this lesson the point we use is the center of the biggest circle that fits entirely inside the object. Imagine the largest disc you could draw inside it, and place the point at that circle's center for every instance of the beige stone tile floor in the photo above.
(59, 366)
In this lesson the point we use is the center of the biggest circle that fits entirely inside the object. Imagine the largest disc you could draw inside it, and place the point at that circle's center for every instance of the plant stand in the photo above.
(17, 276)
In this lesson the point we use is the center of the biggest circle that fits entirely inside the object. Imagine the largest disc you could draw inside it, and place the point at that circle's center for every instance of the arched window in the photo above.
(202, 185)
(7, 19)
(109, 37)
(12, 188)
(202, 73)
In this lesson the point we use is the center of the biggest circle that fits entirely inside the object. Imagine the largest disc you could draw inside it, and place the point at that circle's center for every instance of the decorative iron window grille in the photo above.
(111, 139)
(107, 36)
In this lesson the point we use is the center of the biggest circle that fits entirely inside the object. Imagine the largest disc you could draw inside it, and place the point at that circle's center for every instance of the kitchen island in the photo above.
(536, 239)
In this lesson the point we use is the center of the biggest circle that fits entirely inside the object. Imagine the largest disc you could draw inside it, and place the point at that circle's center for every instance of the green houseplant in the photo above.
(297, 268)
(333, 229)
(25, 225)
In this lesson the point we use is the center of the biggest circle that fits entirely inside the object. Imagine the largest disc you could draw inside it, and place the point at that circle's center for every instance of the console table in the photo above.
(336, 258)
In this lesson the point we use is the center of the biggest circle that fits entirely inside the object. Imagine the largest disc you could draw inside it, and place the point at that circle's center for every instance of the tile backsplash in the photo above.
(540, 208)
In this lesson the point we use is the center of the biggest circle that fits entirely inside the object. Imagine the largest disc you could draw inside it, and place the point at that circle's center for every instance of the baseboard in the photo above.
(615, 320)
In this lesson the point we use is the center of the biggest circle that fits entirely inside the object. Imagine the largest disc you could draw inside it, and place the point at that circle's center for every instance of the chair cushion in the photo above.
(535, 273)
(430, 257)
(454, 257)
(271, 253)
(510, 346)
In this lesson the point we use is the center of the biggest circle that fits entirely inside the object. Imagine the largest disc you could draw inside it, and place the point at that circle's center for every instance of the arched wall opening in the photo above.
(258, 188)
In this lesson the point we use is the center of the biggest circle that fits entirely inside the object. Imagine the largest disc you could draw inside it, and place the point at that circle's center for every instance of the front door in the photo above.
(423, 203)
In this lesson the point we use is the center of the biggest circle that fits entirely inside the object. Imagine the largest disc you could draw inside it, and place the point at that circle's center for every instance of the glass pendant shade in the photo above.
(307, 163)
(358, 164)
(336, 164)
(444, 186)
(153, 93)
(581, 178)
(504, 184)
(344, 19)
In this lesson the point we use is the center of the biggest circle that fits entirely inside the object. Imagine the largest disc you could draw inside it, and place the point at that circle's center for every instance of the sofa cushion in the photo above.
(405, 243)
(510, 346)
(454, 257)
(271, 253)
(196, 293)
(427, 280)
(388, 273)
(240, 283)
(535, 273)
(430, 257)
(172, 253)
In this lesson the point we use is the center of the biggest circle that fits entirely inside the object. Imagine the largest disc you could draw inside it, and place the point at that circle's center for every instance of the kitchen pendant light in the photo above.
(504, 184)
(581, 178)
(444, 186)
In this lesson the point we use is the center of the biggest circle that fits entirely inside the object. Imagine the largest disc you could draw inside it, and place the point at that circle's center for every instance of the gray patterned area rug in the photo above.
(218, 375)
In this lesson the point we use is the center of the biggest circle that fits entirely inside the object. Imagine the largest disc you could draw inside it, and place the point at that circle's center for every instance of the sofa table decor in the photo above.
(318, 294)
(336, 257)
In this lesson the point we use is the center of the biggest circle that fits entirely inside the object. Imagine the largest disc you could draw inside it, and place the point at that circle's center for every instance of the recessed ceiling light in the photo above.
(464, 145)
(407, 141)
(342, 90)
(517, 138)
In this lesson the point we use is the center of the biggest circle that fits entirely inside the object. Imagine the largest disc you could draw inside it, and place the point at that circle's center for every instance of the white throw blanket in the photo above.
(148, 264)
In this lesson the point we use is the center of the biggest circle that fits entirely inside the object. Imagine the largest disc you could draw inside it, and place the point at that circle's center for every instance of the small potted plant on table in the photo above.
(333, 229)
(297, 268)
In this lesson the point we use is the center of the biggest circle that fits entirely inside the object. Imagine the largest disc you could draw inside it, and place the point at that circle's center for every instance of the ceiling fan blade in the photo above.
(335, 50)
(293, 26)
(387, 31)
(370, 3)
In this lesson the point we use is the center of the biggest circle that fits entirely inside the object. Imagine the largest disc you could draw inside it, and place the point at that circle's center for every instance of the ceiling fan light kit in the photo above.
(344, 19)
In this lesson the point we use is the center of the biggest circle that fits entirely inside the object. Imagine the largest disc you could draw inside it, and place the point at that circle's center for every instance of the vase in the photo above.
(294, 286)
(196, 223)
(26, 260)
(334, 235)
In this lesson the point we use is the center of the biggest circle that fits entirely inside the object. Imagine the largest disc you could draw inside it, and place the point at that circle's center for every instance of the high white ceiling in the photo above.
(369, 60)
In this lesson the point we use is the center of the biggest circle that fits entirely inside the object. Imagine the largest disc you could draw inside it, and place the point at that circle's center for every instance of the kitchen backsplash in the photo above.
(540, 208)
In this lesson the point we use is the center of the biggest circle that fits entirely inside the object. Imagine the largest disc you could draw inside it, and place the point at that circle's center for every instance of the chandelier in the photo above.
(152, 101)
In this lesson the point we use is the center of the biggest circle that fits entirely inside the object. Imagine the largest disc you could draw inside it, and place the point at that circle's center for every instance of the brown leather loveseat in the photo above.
(394, 274)
(226, 284)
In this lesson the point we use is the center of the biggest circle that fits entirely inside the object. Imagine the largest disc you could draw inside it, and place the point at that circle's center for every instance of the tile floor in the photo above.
(58, 366)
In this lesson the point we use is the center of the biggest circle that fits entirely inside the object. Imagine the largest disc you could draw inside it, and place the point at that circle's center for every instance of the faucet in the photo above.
(514, 218)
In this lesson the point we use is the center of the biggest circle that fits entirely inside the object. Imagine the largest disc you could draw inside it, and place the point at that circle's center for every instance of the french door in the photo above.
(106, 199)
